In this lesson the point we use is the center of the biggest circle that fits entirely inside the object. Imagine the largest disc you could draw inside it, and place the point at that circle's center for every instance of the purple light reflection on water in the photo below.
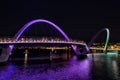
(6, 72)
(81, 67)
(69, 70)
(97, 67)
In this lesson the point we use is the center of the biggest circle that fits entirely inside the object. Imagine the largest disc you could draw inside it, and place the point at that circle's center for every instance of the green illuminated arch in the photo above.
(98, 33)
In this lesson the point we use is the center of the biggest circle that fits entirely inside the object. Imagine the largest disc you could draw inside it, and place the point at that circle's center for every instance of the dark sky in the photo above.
(80, 19)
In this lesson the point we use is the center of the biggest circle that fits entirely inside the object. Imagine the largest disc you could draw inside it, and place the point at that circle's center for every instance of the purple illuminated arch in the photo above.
(19, 33)
(36, 21)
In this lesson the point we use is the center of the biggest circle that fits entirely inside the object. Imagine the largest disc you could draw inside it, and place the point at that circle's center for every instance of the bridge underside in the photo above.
(6, 50)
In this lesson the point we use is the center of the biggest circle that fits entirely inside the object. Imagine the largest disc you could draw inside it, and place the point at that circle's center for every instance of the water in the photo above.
(98, 67)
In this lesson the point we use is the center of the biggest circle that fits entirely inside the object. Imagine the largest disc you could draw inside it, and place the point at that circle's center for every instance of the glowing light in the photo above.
(94, 38)
(113, 52)
(107, 39)
(26, 56)
(112, 47)
(16, 37)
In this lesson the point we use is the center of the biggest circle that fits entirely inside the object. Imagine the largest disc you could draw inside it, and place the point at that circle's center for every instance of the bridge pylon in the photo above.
(5, 54)
(80, 53)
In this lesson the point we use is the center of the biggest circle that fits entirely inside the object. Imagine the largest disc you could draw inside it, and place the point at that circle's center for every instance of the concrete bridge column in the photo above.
(81, 53)
(5, 54)
(68, 53)
(51, 54)
(78, 51)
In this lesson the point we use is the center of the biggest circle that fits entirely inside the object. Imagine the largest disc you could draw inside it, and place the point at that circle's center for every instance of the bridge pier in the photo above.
(51, 52)
(68, 53)
(5, 54)
(26, 56)
(81, 54)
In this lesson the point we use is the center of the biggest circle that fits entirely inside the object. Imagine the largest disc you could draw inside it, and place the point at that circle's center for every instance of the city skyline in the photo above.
(79, 19)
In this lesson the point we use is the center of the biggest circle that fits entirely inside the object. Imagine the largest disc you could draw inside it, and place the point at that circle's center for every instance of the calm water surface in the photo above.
(98, 67)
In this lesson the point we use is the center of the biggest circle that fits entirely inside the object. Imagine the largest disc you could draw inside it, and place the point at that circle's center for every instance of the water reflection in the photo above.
(6, 72)
(115, 69)
(97, 67)
(105, 66)
(81, 68)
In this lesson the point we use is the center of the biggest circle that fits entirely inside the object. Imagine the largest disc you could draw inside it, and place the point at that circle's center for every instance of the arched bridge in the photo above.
(7, 51)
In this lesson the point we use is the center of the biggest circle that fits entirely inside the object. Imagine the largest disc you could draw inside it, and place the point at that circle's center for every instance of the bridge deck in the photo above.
(41, 43)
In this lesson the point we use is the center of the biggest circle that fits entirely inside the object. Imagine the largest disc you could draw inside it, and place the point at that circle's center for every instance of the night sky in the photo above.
(79, 19)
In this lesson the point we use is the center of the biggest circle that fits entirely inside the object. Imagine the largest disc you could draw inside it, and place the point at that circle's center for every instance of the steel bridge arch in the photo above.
(97, 34)
(19, 33)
